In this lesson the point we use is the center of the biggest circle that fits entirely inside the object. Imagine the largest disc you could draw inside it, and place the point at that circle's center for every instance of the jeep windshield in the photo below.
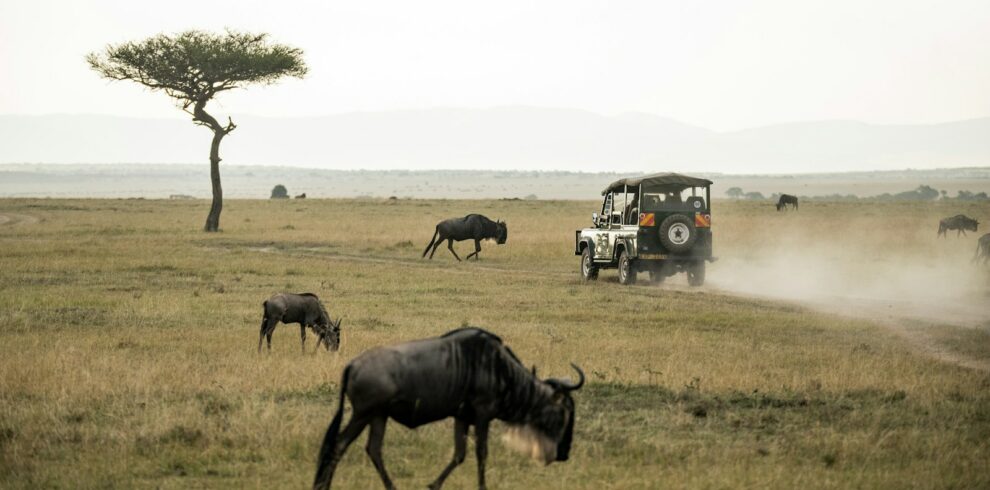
(674, 198)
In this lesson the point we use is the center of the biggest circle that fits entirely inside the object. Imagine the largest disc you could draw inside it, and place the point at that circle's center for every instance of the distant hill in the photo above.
(522, 138)
(256, 182)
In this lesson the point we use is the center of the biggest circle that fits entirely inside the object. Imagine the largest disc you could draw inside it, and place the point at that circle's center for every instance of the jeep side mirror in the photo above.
(594, 219)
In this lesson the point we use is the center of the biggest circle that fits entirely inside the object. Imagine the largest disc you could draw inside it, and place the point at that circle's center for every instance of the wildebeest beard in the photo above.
(547, 438)
(532, 442)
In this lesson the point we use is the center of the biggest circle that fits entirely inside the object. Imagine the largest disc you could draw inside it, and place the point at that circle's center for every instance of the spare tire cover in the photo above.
(677, 233)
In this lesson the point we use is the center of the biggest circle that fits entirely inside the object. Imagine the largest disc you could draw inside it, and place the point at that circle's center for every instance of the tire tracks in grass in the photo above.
(10, 219)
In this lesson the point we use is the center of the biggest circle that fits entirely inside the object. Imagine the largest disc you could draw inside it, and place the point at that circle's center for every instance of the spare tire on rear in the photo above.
(677, 233)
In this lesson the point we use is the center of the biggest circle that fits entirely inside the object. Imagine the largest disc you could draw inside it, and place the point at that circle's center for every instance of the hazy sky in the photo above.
(719, 64)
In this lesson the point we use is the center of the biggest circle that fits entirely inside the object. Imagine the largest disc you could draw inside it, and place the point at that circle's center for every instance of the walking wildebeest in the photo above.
(959, 222)
(304, 309)
(786, 199)
(471, 227)
(467, 374)
(983, 249)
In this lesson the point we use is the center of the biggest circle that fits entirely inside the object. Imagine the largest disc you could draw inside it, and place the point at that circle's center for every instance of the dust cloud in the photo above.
(940, 285)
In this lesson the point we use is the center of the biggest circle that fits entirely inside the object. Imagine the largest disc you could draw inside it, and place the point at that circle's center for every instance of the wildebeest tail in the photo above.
(324, 466)
(434, 239)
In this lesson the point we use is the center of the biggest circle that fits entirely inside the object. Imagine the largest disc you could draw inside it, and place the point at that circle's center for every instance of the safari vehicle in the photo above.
(660, 224)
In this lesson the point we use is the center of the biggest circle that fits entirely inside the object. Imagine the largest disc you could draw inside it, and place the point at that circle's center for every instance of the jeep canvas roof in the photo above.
(665, 178)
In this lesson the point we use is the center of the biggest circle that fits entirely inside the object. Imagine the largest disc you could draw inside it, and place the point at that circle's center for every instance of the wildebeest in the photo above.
(304, 309)
(467, 374)
(471, 227)
(301, 196)
(983, 248)
(959, 222)
(786, 199)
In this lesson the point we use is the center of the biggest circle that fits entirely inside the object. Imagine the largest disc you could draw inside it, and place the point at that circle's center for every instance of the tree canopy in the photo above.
(194, 66)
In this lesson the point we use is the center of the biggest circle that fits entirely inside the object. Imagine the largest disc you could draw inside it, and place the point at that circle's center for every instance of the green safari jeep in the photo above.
(660, 224)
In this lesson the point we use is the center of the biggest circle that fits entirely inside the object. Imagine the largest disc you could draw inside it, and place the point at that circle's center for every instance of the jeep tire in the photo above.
(589, 271)
(658, 274)
(627, 270)
(696, 274)
(677, 233)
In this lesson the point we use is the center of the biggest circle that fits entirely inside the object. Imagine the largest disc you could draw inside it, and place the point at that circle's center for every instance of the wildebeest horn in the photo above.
(566, 385)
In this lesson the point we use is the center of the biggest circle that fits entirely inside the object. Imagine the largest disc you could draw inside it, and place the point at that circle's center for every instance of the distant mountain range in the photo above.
(522, 138)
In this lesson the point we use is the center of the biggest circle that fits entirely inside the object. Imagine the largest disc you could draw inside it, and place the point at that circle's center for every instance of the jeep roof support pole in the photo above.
(708, 197)
(625, 204)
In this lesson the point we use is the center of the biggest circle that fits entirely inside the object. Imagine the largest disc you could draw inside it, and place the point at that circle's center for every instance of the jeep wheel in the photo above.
(627, 273)
(696, 274)
(589, 271)
(659, 274)
(677, 233)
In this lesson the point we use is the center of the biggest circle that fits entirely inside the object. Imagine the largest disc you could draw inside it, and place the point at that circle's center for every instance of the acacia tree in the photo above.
(193, 67)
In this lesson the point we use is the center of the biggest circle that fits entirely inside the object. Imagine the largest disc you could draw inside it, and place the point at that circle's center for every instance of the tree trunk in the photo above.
(200, 116)
(213, 219)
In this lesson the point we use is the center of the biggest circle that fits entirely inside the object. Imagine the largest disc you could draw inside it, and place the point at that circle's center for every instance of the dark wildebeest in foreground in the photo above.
(471, 227)
(786, 199)
(983, 249)
(959, 222)
(304, 309)
(467, 374)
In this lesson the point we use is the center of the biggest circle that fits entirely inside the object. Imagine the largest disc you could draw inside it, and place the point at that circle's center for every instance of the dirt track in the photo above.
(7, 219)
(907, 318)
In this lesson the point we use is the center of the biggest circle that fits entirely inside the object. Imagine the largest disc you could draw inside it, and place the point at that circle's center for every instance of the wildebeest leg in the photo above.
(477, 248)
(376, 434)
(344, 439)
(435, 246)
(460, 449)
(266, 331)
(261, 335)
(302, 335)
(481, 450)
(450, 246)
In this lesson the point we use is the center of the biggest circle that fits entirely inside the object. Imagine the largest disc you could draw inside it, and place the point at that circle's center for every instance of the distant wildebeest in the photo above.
(786, 199)
(959, 222)
(467, 374)
(471, 227)
(301, 196)
(983, 248)
(304, 309)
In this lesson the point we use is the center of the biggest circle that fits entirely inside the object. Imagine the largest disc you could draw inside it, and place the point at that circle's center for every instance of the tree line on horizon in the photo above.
(921, 193)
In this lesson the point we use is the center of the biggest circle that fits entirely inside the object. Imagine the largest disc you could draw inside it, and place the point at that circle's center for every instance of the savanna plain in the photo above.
(128, 345)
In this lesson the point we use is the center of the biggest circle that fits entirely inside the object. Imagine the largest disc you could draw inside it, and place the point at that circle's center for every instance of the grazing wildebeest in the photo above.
(301, 196)
(304, 309)
(959, 222)
(983, 248)
(467, 374)
(471, 227)
(786, 199)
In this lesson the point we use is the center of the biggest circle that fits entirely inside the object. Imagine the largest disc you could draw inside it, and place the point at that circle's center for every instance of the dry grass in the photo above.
(128, 349)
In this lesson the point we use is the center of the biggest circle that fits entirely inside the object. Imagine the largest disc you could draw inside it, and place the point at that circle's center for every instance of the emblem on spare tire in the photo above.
(677, 233)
